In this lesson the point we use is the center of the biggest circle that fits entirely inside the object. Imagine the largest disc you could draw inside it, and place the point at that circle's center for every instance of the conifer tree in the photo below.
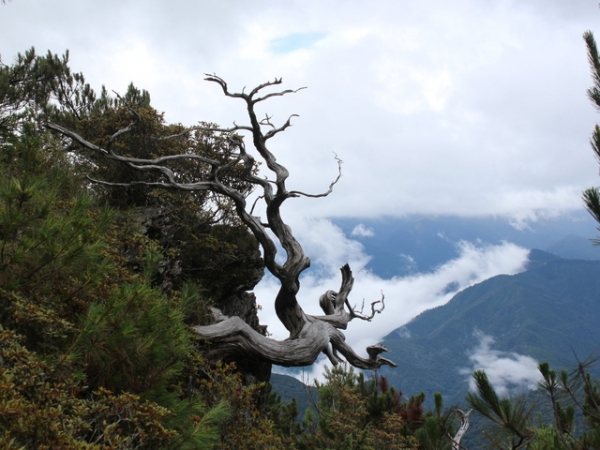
(92, 352)
(591, 196)
(510, 416)
(512, 424)
(353, 412)
(88, 350)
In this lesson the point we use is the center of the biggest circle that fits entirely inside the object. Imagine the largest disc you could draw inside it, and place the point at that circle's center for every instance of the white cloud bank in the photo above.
(507, 371)
(405, 297)
(362, 231)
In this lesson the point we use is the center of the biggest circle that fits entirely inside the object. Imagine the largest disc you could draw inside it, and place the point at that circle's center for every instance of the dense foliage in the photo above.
(97, 287)
(591, 196)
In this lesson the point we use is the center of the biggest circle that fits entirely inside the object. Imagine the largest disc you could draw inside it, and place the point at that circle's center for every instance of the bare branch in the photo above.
(375, 361)
(132, 183)
(77, 138)
(331, 185)
(250, 97)
(264, 85)
(260, 197)
(184, 133)
(374, 310)
(276, 94)
(233, 129)
(274, 131)
(332, 303)
(223, 84)
(462, 430)
(267, 121)
(129, 127)
(235, 335)
(125, 159)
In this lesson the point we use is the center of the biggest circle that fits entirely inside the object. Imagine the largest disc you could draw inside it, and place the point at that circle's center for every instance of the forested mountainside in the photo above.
(548, 312)
(402, 246)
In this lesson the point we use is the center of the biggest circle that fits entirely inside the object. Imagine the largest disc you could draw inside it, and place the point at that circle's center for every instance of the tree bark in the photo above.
(462, 430)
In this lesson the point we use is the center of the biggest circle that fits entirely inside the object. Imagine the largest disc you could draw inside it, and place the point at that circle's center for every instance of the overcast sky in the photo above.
(457, 107)
(453, 107)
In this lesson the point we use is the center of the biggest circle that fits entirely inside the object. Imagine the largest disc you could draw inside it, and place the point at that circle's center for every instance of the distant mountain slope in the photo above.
(575, 247)
(544, 313)
(412, 244)
(289, 387)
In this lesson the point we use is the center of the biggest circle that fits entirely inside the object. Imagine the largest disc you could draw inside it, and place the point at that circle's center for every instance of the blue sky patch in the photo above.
(295, 41)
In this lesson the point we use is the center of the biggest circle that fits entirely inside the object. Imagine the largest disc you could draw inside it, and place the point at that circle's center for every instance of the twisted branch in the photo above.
(309, 335)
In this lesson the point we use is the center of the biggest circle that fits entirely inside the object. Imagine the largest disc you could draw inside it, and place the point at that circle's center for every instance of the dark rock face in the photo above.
(224, 260)
(244, 305)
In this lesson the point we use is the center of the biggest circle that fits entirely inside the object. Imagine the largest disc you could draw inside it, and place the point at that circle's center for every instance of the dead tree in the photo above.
(309, 335)
(462, 430)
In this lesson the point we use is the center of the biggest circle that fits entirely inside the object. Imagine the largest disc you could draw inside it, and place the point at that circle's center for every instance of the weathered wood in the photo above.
(462, 430)
(232, 333)
(309, 335)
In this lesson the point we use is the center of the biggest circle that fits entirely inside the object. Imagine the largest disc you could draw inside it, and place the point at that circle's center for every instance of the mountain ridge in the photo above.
(418, 244)
(547, 312)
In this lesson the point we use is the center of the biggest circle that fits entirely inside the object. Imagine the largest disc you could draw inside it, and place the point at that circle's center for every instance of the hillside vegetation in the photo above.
(548, 312)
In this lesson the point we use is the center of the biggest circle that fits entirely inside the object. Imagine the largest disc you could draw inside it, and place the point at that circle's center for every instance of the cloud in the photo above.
(508, 372)
(523, 219)
(403, 333)
(463, 108)
(295, 41)
(362, 231)
(410, 264)
(435, 107)
(405, 297)
(307, 375)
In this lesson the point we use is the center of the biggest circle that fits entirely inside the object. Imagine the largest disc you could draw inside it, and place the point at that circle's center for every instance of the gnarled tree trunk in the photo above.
(309, 335)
